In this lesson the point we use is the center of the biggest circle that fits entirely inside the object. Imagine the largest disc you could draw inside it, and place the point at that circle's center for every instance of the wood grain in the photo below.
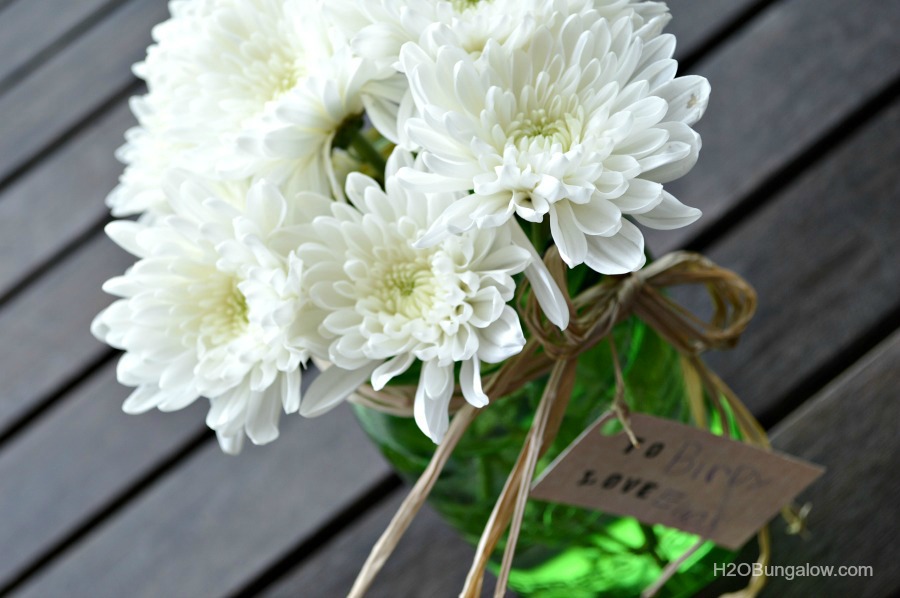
(67, 471)
(30, 29)
(45, 330)
(54, 204)
(73, 84)
(850, 429)
(212, 524)
(437, 556)
(777, 85)
(694, 22)
(847, 427)
(823, 256)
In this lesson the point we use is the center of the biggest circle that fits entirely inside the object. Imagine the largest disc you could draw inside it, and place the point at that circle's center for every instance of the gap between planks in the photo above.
(52, 102)
(35, 31)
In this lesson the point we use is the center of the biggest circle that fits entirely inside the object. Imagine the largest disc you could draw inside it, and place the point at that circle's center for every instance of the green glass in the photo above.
(563, 551)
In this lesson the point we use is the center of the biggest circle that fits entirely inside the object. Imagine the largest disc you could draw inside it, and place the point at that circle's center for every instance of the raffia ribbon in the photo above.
(593, 315)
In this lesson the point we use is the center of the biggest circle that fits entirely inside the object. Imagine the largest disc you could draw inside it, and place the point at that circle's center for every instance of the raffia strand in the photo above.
(413, 503)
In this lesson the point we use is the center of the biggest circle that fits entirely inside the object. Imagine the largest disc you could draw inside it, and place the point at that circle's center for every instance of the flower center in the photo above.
(283, 77)
(405, 288)
(464, 5)
(225, 314)
(540, 128)
(403, 279)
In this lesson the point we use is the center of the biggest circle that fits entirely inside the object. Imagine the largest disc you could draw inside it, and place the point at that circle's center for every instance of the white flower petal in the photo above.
(231, 444)
(383, 114)
(332, 386)
(619, 254)
(570, 241)
(141, 400)
(262, 417)
(176, 400)
(391, 368)
(669, 214)
(431, 414)
(687, 97)
(503, 338)
(437, 379)
(454, 220)
(266, 207)
(641, 196)
(677, 157)
(598, 217)
(290, 390)
(124, 234)
(470, 382)
(425, 182)
(544, 287)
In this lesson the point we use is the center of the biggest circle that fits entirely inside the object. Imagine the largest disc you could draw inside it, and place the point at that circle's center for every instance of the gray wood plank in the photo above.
(437, 555)
(45, 330)
(86, 451)
(849, 428)
(854, 519)
(217, 520)
(694, 21)
(28, 29)
(74, 83)
(792, 74)
(823, 256)
(53, 205)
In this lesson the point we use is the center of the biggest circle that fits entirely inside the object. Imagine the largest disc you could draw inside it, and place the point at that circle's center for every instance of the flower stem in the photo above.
(540, 234)
(366, 151)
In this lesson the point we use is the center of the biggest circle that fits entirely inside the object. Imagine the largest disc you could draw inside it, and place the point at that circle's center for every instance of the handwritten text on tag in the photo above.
(679, 476)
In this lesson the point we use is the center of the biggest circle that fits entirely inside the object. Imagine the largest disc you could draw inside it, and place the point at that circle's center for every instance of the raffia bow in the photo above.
(593, 315)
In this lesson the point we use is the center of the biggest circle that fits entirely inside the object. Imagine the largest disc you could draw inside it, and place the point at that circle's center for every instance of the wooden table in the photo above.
(800, 186)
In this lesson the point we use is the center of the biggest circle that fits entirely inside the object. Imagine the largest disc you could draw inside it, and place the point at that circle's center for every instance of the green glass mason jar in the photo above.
(563, 551)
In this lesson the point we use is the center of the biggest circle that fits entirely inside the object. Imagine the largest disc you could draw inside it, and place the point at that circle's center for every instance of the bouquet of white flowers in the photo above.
(389, 187)
(274, 230)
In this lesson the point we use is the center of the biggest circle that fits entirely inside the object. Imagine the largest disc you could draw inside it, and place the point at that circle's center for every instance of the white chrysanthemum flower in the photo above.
(581, 126)
(214, 307)
(246, 89)
(293, 143)
(391, 303)
(379, 28)
(149, 154)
